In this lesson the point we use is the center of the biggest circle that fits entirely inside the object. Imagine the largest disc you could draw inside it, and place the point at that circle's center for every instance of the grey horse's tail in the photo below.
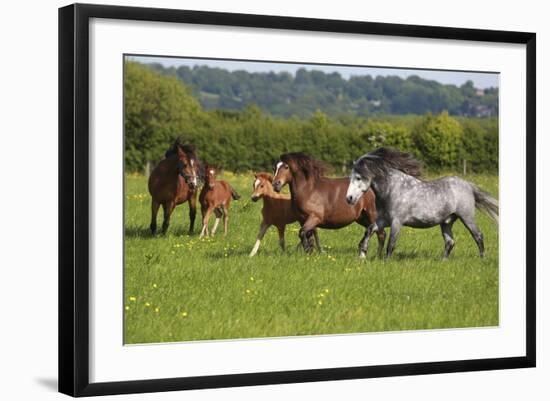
(486, 202)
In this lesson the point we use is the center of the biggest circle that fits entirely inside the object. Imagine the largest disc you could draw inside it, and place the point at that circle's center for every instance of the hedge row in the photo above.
(158, 109)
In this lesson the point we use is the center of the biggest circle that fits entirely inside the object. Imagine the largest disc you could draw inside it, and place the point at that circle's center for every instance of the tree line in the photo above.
(158, 108)
(284, 95)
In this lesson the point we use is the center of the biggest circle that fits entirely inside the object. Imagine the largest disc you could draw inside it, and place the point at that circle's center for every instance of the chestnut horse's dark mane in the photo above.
(378, 161)
(311, 168)
(188, 149)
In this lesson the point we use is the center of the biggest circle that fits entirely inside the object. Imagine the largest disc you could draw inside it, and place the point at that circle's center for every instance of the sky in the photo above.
(481, 80)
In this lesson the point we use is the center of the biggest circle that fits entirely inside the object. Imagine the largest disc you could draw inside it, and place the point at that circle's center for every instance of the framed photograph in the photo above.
(274, 148)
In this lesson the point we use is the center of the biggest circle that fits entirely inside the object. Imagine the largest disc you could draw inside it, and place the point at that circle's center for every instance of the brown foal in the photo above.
(215, 197)
(277, 210)
(321, 202)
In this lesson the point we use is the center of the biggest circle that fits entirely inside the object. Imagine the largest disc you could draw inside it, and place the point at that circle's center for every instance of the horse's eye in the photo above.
(286, 166)
(261, 186)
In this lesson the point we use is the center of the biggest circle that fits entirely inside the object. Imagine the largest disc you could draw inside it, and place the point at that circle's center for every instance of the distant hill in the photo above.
(283, 94)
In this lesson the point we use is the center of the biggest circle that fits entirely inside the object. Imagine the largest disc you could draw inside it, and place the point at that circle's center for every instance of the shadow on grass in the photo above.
(138, 232)
(145, 232)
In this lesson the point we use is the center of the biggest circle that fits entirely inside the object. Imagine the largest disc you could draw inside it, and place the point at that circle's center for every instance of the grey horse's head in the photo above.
(360, 180)
(376, 164)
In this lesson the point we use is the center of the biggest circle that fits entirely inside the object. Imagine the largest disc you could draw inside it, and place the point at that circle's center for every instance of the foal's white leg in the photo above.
(205, 219)
(263, 229)
(215, 225)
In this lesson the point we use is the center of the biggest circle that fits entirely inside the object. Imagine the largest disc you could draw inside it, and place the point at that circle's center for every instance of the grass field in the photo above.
(180, 288)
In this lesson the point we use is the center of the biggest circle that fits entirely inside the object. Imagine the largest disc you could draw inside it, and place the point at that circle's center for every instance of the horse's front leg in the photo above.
(306, 231)
(205, 218)
(218, 214)
(394, 235)
(168, 208)
(364, 243)
(192, 212)
(261, 233)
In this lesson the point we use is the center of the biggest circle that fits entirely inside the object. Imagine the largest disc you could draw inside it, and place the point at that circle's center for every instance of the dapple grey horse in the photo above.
(402, 199)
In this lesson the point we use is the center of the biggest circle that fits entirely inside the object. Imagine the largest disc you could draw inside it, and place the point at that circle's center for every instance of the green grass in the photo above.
(180, 288)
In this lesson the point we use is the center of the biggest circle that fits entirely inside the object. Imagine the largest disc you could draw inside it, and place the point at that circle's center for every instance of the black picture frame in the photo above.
(74, 199)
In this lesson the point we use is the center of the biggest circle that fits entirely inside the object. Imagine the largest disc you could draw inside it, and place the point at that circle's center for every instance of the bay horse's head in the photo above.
(295, 163)
(261, 186)
(283, 176)
(187, 164)
(210, 173)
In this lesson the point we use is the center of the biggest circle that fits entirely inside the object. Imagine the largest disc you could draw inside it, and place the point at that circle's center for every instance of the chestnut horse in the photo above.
(173, 182)
(277, 210)
(321, 202)
(215, 197)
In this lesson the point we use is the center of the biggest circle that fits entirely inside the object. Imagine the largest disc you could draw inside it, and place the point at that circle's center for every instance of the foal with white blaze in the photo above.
(402, 199)
(277, 210)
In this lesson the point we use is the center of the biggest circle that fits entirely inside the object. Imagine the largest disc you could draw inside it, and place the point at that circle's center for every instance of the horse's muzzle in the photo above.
(254, 198)
(277, 186)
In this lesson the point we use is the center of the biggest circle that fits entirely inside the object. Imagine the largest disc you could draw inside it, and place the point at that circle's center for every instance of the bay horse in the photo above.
(174, 181)
(277, 211)
(320, 201)
(403, 199)
(215, 197)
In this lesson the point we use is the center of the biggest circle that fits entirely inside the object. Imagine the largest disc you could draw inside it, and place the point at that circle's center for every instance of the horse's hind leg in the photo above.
(394, 235)
(476, 234)
(167, 208)
(381, 234)
(225, 218)
(317, 241)
(154, 211)
(447, 232)
(218, 214)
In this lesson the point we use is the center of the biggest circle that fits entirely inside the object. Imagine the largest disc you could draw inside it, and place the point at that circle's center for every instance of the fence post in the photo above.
(147, 169)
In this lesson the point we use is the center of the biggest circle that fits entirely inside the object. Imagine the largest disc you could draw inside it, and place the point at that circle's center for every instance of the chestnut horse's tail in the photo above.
(234, 194)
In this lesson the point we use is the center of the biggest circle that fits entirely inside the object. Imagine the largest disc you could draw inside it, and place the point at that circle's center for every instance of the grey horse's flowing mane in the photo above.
(309, 166)
(380, 160)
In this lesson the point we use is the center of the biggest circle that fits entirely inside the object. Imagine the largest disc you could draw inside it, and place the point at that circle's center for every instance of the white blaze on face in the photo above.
(194, 180)
(256, 183)
(279, 165)
(211, 172)
(357, 185)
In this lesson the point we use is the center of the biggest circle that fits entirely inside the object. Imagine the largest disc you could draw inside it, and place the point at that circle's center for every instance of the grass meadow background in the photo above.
(180, 288)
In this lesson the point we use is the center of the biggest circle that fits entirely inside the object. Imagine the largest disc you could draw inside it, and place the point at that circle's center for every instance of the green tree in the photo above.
(438, 140)
(157, 109)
